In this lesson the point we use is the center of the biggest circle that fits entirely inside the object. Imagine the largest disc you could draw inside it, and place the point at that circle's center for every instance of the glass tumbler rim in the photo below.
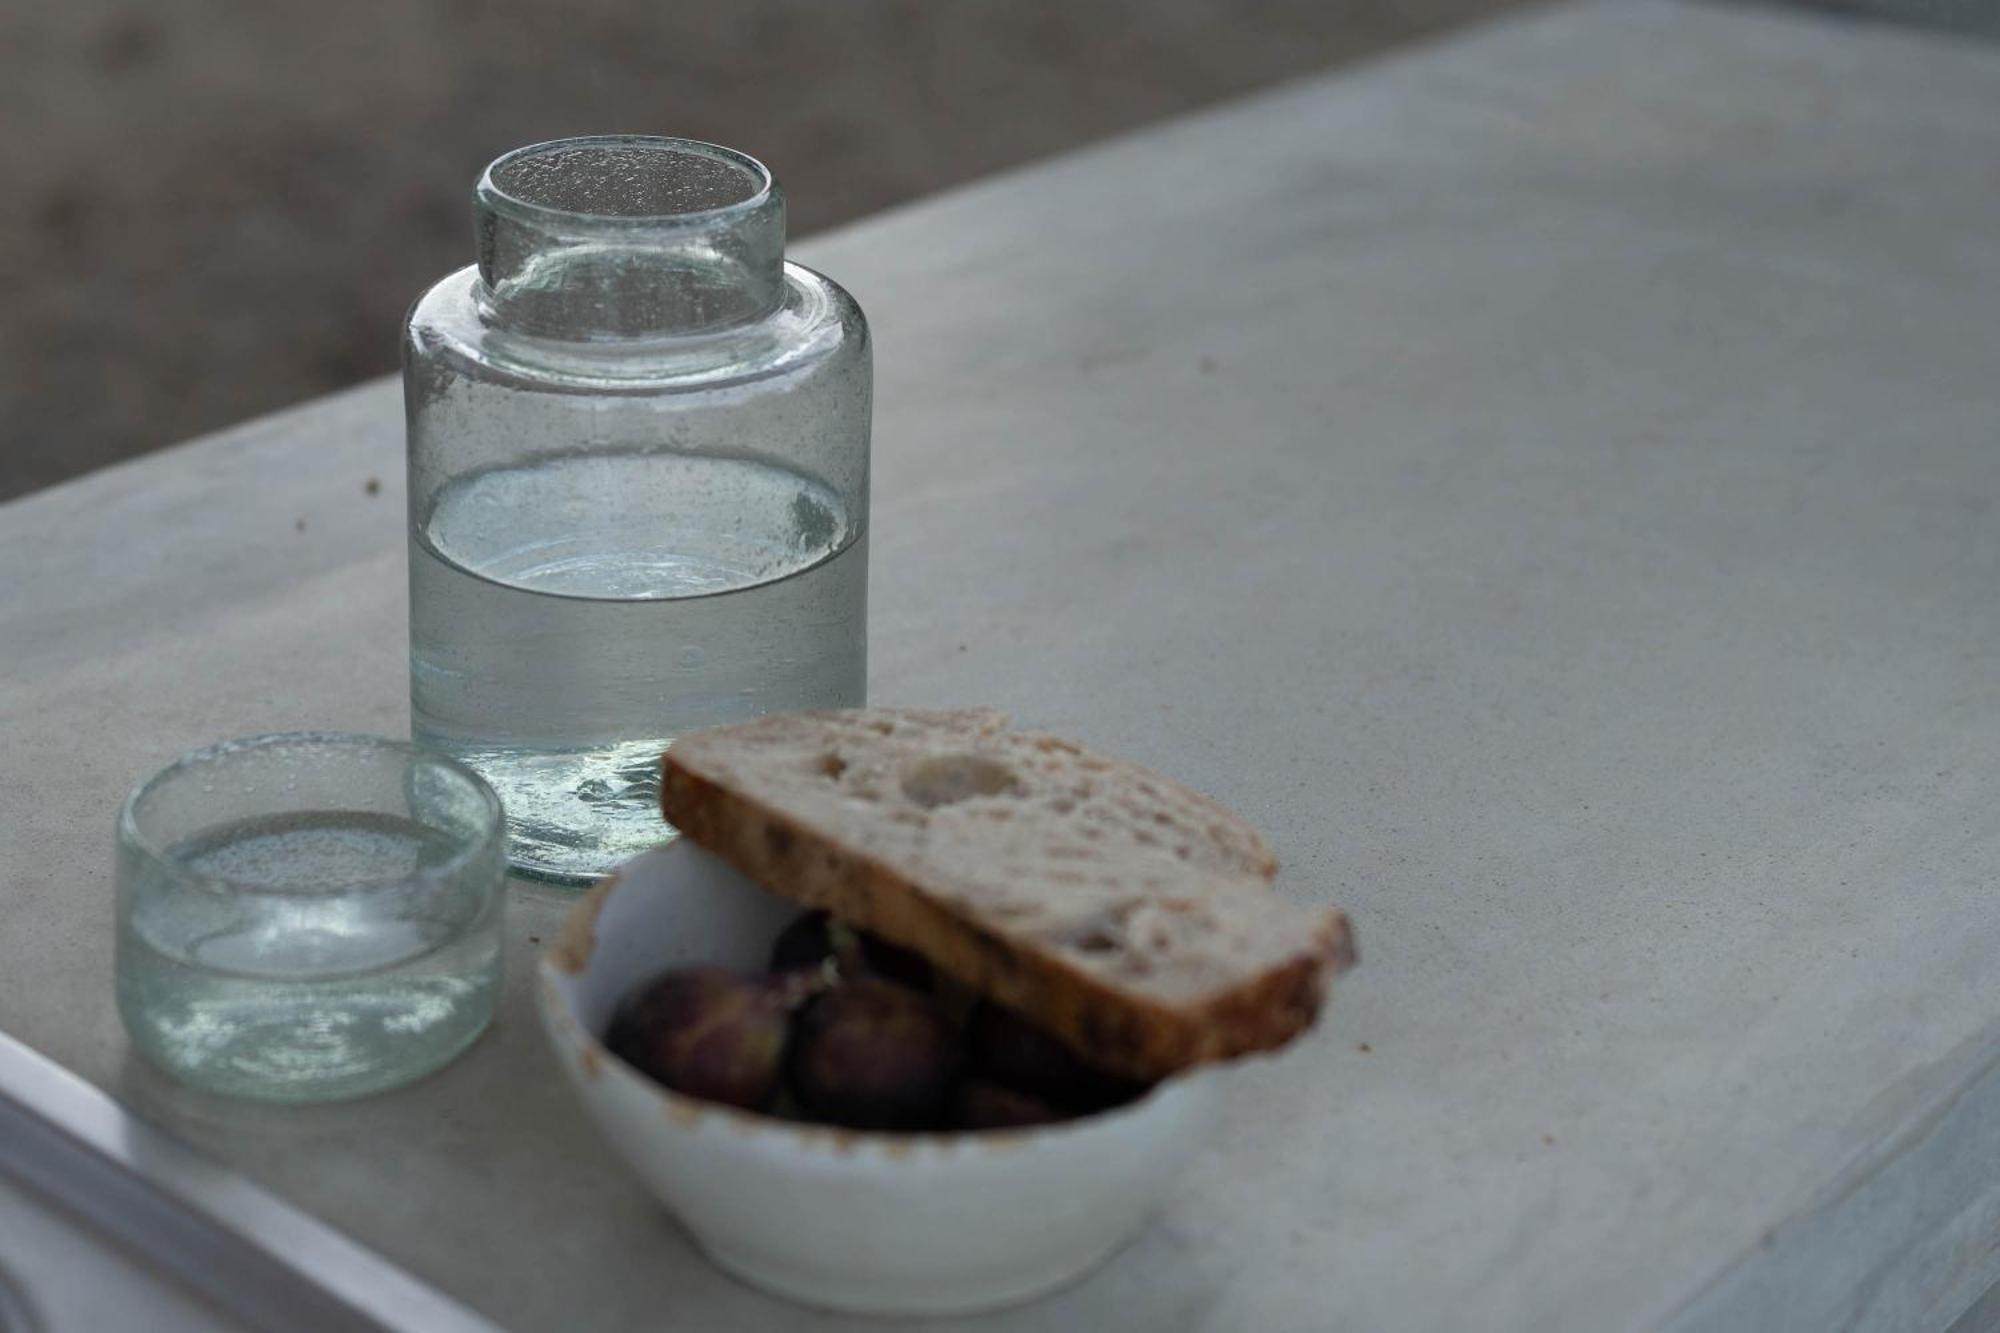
(491, 832)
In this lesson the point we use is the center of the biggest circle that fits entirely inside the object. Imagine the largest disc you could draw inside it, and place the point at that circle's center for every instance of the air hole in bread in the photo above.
(1062, 805)
(1104, 932)
(831, 765)
(946, 779)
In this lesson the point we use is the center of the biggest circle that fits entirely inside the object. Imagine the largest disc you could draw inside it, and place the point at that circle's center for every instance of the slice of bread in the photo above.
(1129, 916)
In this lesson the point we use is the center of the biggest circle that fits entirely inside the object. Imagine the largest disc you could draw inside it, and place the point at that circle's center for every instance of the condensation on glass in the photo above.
(638, 452)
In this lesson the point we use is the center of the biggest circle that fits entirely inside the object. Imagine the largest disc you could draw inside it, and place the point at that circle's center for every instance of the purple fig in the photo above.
(981, 1104)
(814, 937)
(804, 944)
(874, 1055)
(1010, 1050)
(895, 963)
(712, 1034)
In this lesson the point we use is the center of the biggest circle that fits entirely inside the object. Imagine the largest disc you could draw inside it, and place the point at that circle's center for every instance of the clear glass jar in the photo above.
(638, 453)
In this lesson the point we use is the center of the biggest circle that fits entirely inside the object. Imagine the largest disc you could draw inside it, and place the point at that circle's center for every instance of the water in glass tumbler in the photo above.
(571, 614)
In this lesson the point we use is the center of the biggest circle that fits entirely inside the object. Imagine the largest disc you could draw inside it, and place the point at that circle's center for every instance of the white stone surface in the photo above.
(1547, 481)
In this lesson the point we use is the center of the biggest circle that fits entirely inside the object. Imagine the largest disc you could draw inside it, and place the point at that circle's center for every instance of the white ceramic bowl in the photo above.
(879, 1223)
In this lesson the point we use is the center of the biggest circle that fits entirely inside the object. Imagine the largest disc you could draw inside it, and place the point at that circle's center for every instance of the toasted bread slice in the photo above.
(1129, 916)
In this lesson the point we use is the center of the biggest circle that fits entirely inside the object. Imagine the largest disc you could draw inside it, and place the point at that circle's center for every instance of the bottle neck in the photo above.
(615, 238)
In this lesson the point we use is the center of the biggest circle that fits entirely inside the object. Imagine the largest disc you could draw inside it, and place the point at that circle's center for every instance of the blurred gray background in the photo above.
(220, 207)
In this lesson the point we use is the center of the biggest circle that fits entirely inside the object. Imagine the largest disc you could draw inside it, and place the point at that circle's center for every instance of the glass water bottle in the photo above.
(638, 454)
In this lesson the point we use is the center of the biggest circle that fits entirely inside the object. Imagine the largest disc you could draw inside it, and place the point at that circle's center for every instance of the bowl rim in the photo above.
(562, 964)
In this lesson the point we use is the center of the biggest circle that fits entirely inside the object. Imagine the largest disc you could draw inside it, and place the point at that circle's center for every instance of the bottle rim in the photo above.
(493, 194)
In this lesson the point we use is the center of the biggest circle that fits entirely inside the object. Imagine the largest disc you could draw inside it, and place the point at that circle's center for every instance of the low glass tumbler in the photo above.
(309, 916)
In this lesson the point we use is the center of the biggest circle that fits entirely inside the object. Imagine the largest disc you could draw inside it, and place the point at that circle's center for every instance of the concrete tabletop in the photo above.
(1547, 481)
